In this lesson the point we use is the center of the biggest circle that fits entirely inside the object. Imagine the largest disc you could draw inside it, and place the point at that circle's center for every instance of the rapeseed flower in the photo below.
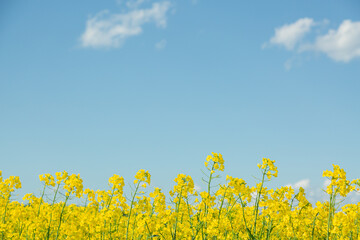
(233, 210)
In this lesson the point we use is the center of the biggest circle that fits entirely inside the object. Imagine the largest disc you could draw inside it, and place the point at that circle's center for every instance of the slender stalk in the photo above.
(331, 210)
(6, 206)
(256, 210)
(190, 220)
(61, 215)
(313, 228)
(131, 207)
(243, 212)
(41, 199)
(111, 197)
(147, 227)
(220, 208)
(177, 212)
(269, 229)
(4, 217)
(209, 194)
(54, 199)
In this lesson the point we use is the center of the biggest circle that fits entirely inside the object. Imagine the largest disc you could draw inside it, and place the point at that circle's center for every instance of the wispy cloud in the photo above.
(304, 183)
(288, 64)
(354, 197)
(317, 193)
(161, 44)
(197, 188)
(131, 3)
(134, 3)
(341, 45)
(289, 35)
(326, 183)
(107, 30)
(194, 2)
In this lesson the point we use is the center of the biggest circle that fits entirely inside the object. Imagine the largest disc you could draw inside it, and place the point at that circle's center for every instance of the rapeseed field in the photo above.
(234, 210)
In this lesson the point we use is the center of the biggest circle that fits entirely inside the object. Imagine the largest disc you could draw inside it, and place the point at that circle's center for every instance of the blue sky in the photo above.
(104, 87)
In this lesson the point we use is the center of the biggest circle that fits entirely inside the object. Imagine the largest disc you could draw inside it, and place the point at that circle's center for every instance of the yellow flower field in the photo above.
(233, 210)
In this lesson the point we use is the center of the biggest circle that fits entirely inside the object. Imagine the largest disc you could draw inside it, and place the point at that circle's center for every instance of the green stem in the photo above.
(112, 195)
(330, 215)
(243, 212)
(177, 212)
(313, 228)
(131, 207)
(256, 210)
(220, 208)
(54, 199)
(57, 189)
(190, 220)
(61, 215)
(41, 199)
(4, 218)
(209, 185)
(6, 205)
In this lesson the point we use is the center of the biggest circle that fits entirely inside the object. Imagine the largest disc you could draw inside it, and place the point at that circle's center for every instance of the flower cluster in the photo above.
(233, 210)
(214, 162)
(142, 176)
(338, 182)
(268, 167)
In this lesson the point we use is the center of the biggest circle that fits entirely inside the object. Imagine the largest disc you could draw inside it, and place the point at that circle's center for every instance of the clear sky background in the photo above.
(104, 87)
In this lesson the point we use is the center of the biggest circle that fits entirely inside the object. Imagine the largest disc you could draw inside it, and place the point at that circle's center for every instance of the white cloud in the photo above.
(131, 3)
(342, 44)
(134, 3)
(289, 35)
(288, 64)
(197, 188)
(317, 193)
(161, 44)
(353, 197)
(105, 30)
(326, 183)
(304, 183)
